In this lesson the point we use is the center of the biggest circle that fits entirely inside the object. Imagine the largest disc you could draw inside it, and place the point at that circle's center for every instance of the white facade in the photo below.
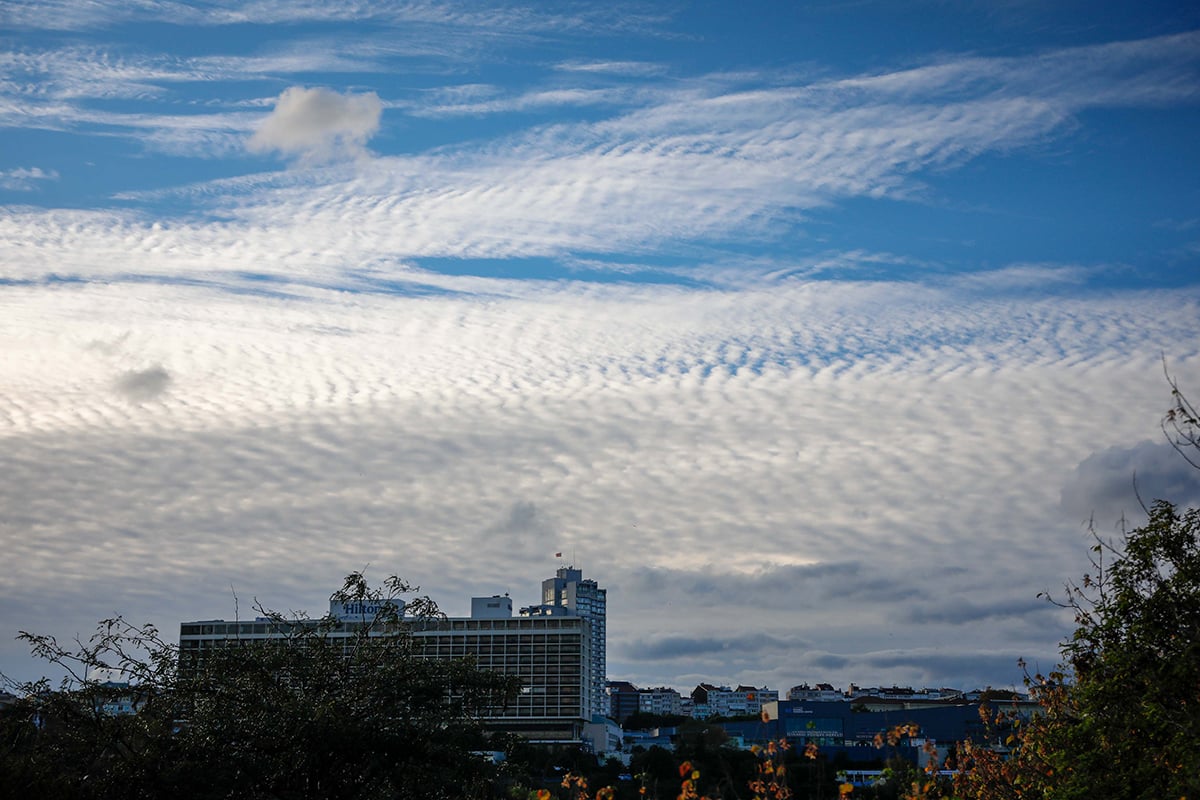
(550, 655)
(494, 607)
(822, 692)
(662, 700)
(711, 700)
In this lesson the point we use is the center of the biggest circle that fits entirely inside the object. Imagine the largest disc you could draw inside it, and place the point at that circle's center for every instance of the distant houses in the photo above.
(820, 715)
(709, 700)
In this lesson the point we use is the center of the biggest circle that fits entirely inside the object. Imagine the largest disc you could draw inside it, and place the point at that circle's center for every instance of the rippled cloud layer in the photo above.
(821, 366)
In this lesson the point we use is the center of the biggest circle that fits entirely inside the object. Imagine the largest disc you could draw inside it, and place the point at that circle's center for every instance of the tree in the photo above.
(327, 709)
(1121, 717)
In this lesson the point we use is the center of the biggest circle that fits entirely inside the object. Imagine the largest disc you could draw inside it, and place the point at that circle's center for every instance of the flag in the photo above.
(558, 555)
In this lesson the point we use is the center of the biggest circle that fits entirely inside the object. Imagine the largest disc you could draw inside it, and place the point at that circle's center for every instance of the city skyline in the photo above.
(815, 332)
(557, 598)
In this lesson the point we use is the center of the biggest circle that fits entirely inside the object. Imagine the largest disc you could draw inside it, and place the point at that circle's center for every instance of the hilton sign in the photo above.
(364, 611)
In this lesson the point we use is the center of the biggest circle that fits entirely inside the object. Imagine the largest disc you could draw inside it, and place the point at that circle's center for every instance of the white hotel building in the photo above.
(551, 648)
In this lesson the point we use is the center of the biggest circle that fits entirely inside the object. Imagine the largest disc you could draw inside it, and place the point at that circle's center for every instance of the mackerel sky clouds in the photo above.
(815, 331)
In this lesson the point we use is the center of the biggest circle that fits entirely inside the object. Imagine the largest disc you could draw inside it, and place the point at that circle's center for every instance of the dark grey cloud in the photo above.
(1107, 484)
(145, 384)
(776, 586)
(660, 648)
(526, 530)
(830, 661)
(951, 666)
(954, 609)
(696, 659)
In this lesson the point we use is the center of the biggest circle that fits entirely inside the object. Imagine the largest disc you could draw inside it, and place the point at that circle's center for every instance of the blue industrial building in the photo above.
(845, 727)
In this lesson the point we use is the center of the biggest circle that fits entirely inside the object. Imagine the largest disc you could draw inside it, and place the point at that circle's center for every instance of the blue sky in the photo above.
(815, 331)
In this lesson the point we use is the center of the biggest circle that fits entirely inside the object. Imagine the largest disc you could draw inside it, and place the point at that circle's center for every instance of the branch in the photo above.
(1181, 423)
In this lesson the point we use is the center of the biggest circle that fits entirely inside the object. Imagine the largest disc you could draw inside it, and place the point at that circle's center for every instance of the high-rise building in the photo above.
(549, 653)
(569, 594)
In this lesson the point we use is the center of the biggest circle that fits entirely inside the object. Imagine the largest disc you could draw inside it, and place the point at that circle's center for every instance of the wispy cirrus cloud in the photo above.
(816, 141)
(486, 18)
(625, 68)
(539, 99)
(25, 179)
(1143, 72)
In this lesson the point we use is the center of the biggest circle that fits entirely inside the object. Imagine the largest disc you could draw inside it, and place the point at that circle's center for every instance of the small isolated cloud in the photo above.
(140, 385)
(1108, 483)
(24, 179)
(318, 124)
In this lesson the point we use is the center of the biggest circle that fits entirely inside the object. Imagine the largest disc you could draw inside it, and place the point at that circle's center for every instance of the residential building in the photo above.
(882, 699)
(822, 691)
(709, 700)
(624, 700)
(662, 701)
(117, 699)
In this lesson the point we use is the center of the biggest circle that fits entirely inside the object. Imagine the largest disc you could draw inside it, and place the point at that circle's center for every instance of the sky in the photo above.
(816, 333)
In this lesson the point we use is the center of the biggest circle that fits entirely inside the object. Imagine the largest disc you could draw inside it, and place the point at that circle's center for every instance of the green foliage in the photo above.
(310, 715)
(1122, 718)
(1136, 661)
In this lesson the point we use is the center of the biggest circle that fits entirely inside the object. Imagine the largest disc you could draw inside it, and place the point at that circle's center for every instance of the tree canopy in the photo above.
(1121, 717)
(307, 715)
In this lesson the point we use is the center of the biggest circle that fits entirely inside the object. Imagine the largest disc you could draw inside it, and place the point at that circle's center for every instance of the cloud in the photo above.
(772, 585)
(712, 159)
(526, 531)
(1113, 483)
(141, 385)
(318, 124)
(948, 667)
(730, 446)
(1138, 72)
(1040, 277)
(625, 68)
(802, 461)
(955, 609)
(25, 179)
(542, 99)
(668, 646)
(67, 15)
